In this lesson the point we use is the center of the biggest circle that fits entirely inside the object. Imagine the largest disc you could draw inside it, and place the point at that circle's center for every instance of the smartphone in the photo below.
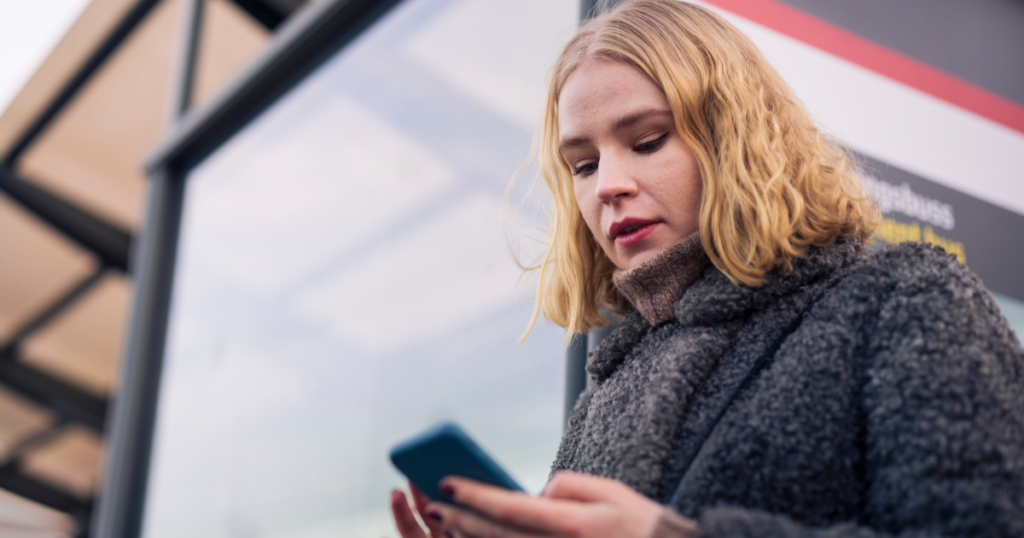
(446, 450)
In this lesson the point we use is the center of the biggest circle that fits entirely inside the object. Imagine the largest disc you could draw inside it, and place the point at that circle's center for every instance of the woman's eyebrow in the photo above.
(572, 143)
(633, 118)
(621, 123)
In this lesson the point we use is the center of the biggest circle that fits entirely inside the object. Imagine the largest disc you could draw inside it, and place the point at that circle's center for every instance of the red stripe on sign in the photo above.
(853, 48)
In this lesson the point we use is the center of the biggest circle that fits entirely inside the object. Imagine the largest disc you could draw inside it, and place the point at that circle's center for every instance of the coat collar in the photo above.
(714, 299)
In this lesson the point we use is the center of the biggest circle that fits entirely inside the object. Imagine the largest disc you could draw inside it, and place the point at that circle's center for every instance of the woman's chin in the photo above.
(638, 259)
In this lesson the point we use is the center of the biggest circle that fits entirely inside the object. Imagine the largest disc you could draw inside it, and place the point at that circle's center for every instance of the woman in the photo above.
(772, 377)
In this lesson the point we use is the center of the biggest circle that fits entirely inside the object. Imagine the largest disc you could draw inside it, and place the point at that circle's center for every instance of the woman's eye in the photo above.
(651, 145)
(584, 169)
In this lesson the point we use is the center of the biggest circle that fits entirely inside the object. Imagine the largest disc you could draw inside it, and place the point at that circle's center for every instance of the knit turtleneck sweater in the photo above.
(654, 286)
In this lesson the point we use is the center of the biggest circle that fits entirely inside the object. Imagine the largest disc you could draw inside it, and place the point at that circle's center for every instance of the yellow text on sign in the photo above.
(891, 231)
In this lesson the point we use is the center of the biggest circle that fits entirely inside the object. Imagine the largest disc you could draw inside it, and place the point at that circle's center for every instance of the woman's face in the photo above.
(636, 182)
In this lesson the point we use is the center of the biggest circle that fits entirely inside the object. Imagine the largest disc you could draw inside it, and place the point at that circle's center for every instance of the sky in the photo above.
(28, 32)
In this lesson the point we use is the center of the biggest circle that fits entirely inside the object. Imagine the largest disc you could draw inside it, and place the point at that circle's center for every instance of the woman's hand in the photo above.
(572, 505)
(406, 522)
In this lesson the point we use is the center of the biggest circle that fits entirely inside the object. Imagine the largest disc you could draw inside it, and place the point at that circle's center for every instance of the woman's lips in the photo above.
(635, 236)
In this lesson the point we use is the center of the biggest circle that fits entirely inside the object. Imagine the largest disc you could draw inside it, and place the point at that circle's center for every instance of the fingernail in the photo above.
(448, 490)
(449, 534)
(435, 515)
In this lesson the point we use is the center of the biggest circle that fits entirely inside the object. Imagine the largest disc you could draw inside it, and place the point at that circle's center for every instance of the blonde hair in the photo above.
(773, 185)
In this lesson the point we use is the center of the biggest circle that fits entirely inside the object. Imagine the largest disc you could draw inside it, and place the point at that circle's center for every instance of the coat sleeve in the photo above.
(943, 407)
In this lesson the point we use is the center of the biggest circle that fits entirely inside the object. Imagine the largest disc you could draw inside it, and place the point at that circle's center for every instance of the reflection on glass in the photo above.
(343, 283)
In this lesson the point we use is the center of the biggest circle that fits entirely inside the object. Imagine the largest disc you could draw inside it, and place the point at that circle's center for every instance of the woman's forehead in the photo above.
(611, 94)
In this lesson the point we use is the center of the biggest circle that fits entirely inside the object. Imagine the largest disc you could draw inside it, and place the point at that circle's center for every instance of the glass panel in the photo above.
(344, 282)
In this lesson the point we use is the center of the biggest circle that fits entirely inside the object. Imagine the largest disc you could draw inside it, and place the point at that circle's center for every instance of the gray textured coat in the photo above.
(896, 407)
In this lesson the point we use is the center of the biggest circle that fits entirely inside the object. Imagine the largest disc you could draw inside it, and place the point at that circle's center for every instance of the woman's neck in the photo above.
(654, 287)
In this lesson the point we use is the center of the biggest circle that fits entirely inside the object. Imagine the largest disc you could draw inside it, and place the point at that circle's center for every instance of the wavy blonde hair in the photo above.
(773, 185)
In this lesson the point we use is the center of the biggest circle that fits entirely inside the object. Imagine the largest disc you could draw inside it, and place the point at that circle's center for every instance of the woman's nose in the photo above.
(614, 180)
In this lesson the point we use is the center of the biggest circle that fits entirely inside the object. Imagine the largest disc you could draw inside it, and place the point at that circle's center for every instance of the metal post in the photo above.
(581, 345)
(576, 351)
(183, 85)
(120, 510)
(593, 8)
(587, 9)
(575, 373)
(595, 336)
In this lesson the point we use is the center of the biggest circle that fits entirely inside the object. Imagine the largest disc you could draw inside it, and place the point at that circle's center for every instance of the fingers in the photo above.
(420, 500)
(572, 505)
(405, 521)
(582, 487)
(511, 508)
(622, 509)
(466, 524)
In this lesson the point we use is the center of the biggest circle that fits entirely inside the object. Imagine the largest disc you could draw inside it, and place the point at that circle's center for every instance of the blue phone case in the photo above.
(446, 450)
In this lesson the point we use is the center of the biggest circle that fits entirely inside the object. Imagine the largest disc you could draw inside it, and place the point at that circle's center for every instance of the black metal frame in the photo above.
(109, 243)
(301, 44)
(96, 60)
(269, 17)
(67, 401)
(119, 513)
(13, 479)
